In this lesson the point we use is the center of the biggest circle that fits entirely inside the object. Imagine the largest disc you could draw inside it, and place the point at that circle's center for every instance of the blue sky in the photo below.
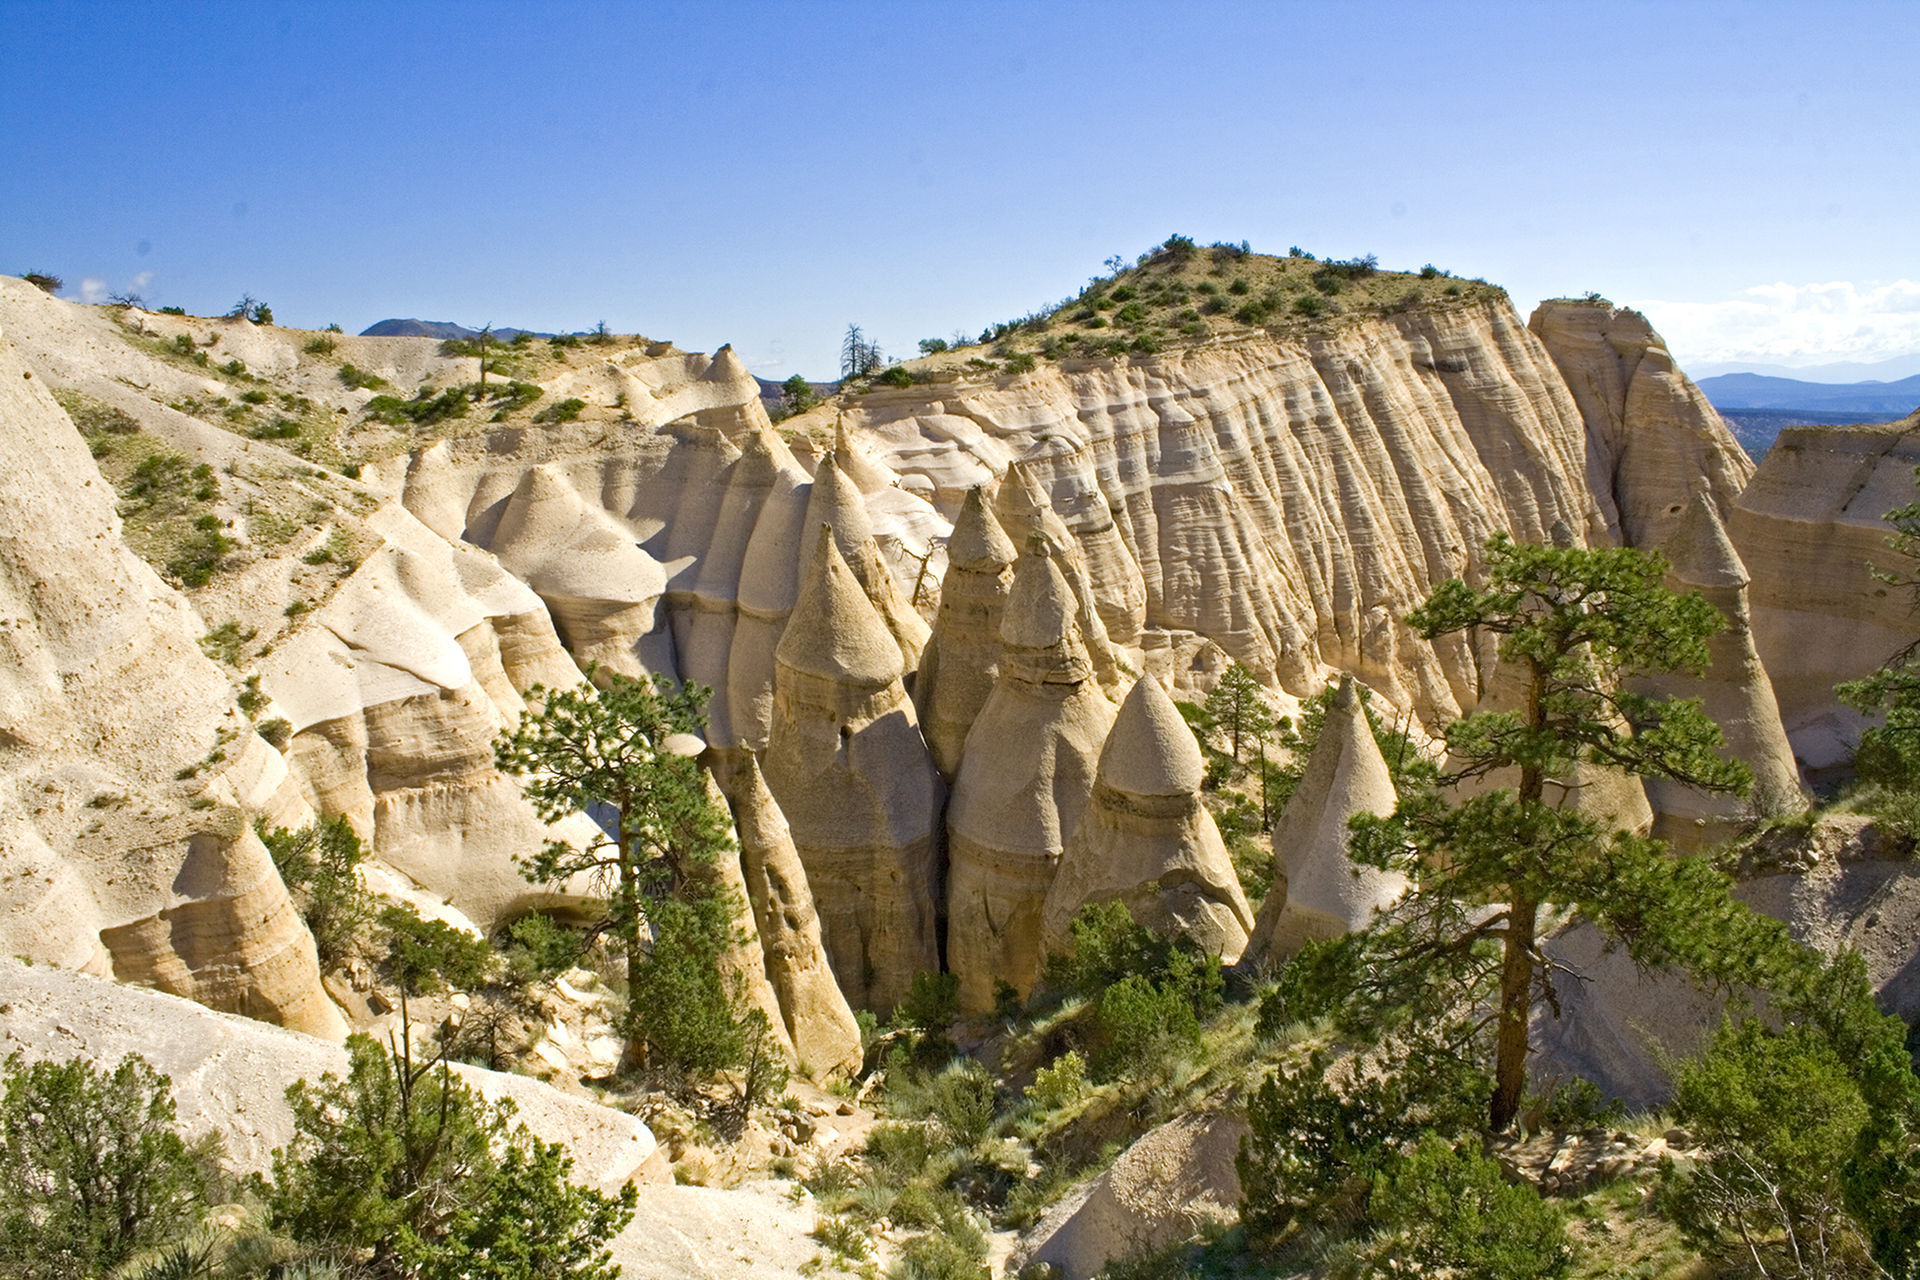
(766, 173)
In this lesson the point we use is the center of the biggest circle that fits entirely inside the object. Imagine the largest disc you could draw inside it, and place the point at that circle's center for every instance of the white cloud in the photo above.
(140, 282)
(1794, 324)
(93, 290)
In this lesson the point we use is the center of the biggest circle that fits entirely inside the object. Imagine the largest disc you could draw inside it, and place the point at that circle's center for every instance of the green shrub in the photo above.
(317, 863)
(1239, 287)
(430, 1179)
(427, 955)
(183, 343)
(564, 411)
(173, 311)
(360, 379)
(1309, 305)
(961, 1101)
(942, 1255)
(424, 410)
(1448, 1211)
(538, 947)
(277, 731)
(237, 369)
(1021, 362)
(278, 429)
(896, 376)
(932, 1003)
(1059, 1084)
(323, 345)
(932, 346)
(681, 1005)
(1143, 1021)
(93, 1168)
(1132, 313)
(200, 553)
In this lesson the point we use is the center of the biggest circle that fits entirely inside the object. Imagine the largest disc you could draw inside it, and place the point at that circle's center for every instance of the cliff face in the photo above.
(128, 777)
(1288, 499)
(1652, 438)
(1810, 528)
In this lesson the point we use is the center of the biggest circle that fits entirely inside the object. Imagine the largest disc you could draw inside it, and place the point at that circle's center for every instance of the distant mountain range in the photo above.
(1759, 391)
(441, 329)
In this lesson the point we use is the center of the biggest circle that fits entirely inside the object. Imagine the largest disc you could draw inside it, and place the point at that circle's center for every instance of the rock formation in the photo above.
(813, 1011)
(1026, 506)
(1651, 435)
(395, 690)
(962, 656)
(1318, 892)
(1734, 691)
(1176, 1180)
(769, 584)
(846, 761)
(836, 505)
(1025, 777)
(1809, 528)
(602, 591)
(129, 780)
(1147, 840)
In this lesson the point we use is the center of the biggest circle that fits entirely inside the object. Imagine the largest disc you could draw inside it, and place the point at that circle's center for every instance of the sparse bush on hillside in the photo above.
(93, 1168)
(322, 345)
(45, 281)
(317, 864)
(360, 379)
(561, 411)
(896, 376)
(426, 955)
(932, 346)
(424, 410)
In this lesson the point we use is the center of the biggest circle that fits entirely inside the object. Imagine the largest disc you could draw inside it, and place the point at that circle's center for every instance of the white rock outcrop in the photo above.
(1734, 691)
(962, 656)
(129, 780)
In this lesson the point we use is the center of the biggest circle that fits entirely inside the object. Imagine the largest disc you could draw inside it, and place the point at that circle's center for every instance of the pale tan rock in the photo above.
(1147, 840)
(769, 584)
(962, 656)
(395, 691)
(1176, 1181)
(836, 504)
(1810, 527)
(1026, 507)
(744, 962)
(229, 1075)
(602, 591)
(846, 761)
(1025, 778)
(814, 1013)
(128, 779)
(1734, 691)
(1289, 498)
(1318, 891)
(1651, 435)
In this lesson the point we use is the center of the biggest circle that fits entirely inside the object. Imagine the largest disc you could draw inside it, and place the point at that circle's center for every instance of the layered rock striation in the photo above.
(962, 657)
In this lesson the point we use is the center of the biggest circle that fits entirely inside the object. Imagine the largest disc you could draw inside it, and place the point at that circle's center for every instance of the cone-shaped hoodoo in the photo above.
(850, 770)
(962, 658)
(1735, 692)
(1025, 777)
(814, 1012)
(1318, 892)
(1147, 840)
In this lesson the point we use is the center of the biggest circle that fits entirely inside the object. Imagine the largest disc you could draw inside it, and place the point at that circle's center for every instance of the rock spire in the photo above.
(846, 761)
(1318, 892)
(1734, 691)
(1025, 777)
(1147, 840)
(962, 657)
(814, 1012)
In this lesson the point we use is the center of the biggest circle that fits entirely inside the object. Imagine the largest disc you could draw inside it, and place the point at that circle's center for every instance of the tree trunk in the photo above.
(1516, 1007)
